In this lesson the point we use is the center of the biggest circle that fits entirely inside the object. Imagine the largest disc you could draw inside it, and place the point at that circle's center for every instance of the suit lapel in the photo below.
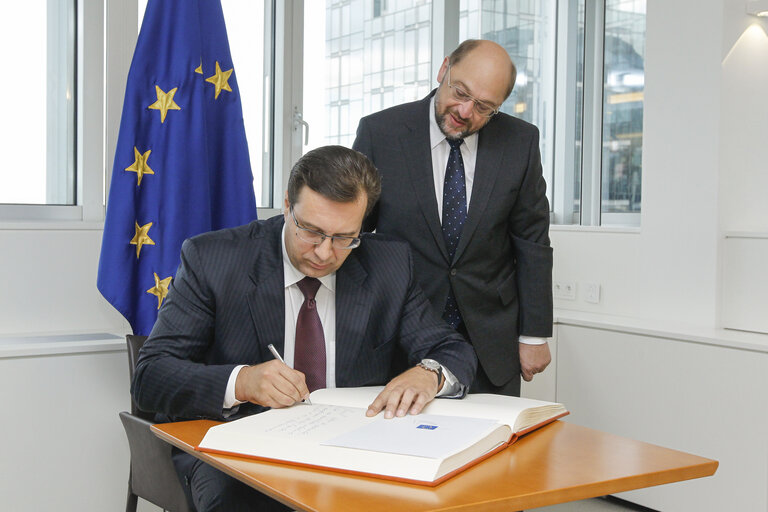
(487, 169)
(353, 307)
(267, 299)
(417, 154)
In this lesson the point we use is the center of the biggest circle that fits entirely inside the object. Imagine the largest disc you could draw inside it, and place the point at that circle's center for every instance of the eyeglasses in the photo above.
(480, 107)
(316, 238)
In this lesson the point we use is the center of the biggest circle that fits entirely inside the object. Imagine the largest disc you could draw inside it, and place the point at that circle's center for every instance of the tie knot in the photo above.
(455, 143)
(309, 287)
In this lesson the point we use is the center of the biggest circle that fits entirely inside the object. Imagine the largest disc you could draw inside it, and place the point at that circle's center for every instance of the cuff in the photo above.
(532, 340)
(452, 388)
(229, 395)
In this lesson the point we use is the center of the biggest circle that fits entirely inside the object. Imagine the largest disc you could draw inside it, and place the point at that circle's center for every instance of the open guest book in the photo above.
(334, 433)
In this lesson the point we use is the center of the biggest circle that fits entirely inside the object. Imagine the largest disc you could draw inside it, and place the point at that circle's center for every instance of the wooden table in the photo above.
(558, 463)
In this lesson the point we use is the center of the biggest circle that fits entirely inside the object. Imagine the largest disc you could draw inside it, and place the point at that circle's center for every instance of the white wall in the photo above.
(49, 283)
(669, 269)
(63, 444)
(744, 121)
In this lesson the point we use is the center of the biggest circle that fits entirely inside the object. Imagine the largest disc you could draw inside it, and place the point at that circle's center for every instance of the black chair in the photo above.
(152, 475)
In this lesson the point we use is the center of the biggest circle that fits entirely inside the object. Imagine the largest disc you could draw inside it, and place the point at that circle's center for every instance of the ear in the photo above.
(443, 70)
(286, 203)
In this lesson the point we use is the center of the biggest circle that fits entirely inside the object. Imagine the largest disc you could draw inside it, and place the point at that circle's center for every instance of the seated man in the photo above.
(337, 303)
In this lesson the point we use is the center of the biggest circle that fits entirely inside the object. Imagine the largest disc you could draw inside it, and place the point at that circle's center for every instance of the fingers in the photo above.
(272, 384)
(527, 374)
(533, 359)
(406, 393)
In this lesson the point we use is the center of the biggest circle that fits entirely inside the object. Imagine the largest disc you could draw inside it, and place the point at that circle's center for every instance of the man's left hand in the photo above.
(533, 359)
(407, 393)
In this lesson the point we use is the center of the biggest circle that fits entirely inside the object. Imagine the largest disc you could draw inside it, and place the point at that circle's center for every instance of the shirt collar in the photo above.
(437, 137)
(291, 274)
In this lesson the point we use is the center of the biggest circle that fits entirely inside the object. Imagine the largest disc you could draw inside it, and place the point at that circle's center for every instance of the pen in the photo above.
(277, 355)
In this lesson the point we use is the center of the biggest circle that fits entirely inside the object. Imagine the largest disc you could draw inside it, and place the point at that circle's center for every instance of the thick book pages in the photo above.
(334, 433)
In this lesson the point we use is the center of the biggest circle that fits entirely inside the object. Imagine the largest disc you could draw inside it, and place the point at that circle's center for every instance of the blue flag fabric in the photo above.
(181, 164)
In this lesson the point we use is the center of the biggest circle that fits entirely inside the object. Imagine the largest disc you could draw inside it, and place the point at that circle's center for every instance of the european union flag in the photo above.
(181, 165)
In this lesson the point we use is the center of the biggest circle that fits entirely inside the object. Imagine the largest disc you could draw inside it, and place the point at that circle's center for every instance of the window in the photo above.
(580, 81)
(528, 32)
(603, 116)
(623, 86)
(38, 105)
(365, 56)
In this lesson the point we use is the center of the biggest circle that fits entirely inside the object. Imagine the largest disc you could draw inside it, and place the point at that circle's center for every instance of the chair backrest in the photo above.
(135, 343)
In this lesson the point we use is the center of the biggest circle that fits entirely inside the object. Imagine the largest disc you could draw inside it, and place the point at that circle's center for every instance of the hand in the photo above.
(409, 392)
(533, 359)
(272, 384)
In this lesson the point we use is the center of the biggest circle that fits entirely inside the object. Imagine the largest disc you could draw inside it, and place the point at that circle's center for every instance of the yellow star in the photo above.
(164, 102)
(199, 69)
(160, 289)
(220, 80)
(141, 237)
(140, 165)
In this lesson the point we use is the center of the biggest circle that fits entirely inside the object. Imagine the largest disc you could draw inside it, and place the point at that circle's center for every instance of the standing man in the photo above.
(462, 183)
(336, 303)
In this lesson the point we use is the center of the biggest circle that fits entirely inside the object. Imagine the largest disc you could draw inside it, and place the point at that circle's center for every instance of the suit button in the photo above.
(453, 271)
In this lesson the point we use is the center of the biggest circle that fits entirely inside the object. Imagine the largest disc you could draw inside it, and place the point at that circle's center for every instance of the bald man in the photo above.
(463, 184)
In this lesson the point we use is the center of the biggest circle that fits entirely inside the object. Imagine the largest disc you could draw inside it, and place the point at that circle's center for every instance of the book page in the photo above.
(424, 435)
(293, 426)
(505, 409)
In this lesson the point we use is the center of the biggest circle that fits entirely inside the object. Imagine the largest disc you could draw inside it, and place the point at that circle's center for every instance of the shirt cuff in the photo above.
(452, 388)
(532, 340)
(229, 395)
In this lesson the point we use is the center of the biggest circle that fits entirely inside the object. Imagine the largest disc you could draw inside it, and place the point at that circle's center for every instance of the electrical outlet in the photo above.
(565, 290)
(592, 293)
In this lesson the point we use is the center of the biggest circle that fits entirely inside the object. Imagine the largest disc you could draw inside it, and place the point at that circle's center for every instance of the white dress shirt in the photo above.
(441, 150)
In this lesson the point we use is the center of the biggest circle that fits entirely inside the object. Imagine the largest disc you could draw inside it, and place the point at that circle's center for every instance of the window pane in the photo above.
(245, 31)
(527, 30)
(38, 144)
(386, 61)
(572, 210)
(624, 82)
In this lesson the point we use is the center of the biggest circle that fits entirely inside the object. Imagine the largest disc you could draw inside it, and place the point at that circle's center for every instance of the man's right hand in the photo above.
(271, 384)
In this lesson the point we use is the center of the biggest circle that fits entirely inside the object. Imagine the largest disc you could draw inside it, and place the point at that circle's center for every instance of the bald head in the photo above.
(488, 58)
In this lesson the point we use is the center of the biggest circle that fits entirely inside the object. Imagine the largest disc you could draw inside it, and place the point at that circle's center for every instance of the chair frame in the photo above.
(151, 475)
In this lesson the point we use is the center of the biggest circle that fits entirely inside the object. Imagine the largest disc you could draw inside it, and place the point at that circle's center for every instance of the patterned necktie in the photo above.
(454, 216)
(309, 352)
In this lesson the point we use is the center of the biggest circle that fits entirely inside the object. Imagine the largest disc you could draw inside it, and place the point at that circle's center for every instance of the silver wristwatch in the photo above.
(433, 366)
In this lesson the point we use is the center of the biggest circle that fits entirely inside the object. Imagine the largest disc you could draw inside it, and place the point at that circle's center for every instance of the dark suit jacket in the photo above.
(502, 269)
(227, 304)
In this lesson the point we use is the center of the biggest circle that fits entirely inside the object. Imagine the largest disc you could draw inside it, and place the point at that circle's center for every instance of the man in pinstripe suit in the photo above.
(236, 292)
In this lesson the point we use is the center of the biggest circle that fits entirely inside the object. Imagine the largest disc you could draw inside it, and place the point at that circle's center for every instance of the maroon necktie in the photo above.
(309, 353)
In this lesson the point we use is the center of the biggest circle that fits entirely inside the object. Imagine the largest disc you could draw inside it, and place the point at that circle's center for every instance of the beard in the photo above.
(442, 123)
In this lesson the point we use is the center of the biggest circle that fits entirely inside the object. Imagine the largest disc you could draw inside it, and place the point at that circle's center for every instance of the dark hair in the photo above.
(466, 47)
(336, 173)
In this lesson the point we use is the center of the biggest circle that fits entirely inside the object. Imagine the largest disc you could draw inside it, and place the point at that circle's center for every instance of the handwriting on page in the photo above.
(311, 420)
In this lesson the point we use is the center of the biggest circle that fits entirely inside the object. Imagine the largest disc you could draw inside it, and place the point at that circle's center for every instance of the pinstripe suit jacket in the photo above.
(501, 272)
(227, 304)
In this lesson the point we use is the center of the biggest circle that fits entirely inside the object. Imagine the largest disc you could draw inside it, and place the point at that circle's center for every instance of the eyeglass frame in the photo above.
(459, 93)
(354, 241)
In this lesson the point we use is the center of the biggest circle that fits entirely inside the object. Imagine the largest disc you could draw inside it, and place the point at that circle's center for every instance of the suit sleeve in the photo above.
(364, 144)
(529, 229)
(171, 377)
